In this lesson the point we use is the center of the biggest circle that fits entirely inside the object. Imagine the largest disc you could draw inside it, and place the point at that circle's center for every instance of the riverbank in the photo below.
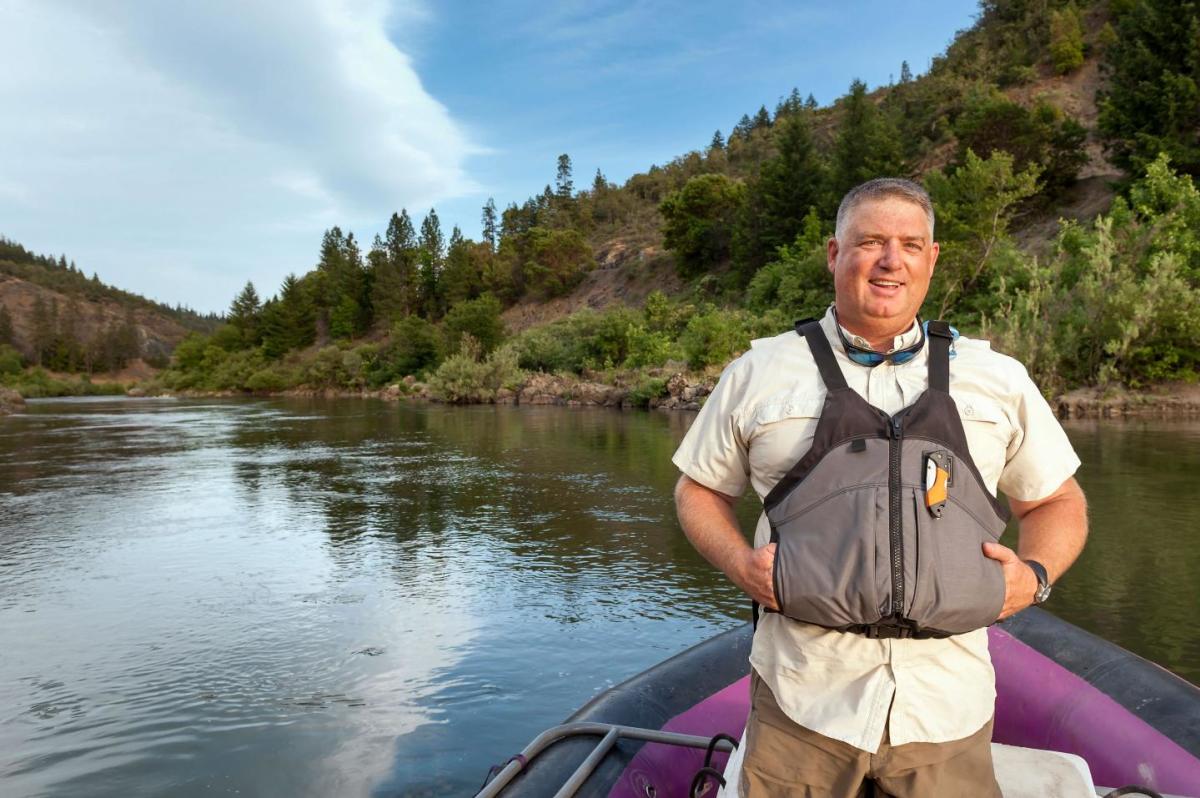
(666, 389)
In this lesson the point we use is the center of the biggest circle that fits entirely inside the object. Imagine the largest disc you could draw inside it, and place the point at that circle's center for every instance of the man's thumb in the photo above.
(997, 552)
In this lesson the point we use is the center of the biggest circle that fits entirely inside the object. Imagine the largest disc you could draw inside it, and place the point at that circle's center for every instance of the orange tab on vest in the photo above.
(937, 481)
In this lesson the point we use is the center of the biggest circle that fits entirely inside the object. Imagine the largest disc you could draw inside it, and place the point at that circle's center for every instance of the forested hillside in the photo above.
(1044, 109)
(52, 316)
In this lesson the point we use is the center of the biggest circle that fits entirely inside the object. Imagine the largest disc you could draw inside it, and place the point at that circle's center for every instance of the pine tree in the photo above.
(867, 146)
(462, 277)
(44, 328)
(564, 187)
(717, 143)
(788, 186)
(7, 335)
(1066, 39)
(1152, 103)
(244, 315)
(742, 129)
(762, 119)
(488, 221)
(431, 245)
(810, 103)
(905, 72)
(288, 321)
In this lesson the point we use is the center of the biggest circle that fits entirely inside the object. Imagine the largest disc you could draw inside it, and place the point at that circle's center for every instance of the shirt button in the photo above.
(969, 410)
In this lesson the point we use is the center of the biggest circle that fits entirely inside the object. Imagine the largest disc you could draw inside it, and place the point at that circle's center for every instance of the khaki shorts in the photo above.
(785, 759)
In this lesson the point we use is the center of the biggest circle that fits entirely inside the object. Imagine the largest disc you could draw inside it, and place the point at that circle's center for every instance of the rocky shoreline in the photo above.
(10, 401)
(686, 391)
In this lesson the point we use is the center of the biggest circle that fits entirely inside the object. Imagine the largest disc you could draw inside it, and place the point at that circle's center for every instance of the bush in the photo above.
(698, 222)
(648, 348)
(647, 389)
(274, 378)
(412, 348)
(10, 360)
(1118, 303)
(464, 377)
(479, 318)
(558, 260)
(797, 283)
(715, 337)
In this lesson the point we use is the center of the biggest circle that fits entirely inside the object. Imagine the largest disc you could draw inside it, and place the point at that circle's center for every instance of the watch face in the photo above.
(1043, 593)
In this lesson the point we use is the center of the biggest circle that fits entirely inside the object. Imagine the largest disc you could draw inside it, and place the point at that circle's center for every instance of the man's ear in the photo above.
(831, 251)
(934, 248)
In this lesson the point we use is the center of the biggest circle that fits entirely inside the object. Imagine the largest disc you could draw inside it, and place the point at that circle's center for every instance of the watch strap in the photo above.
(1043, 590)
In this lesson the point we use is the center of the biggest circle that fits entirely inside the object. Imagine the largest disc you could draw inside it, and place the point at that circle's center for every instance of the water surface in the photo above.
(319, 597)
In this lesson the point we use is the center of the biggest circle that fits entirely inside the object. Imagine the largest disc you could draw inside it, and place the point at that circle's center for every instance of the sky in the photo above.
(179, 149)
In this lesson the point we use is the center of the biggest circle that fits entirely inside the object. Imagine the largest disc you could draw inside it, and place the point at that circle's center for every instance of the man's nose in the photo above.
(890, 255)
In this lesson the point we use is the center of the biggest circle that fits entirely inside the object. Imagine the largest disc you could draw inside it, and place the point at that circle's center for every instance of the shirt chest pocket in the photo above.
(779, 432)
(989, 432)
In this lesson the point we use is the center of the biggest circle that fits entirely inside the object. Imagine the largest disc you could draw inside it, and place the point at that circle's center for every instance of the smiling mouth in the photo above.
(885, 283)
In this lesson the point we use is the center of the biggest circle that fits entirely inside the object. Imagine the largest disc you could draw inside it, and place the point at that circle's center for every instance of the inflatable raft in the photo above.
(1073, 712)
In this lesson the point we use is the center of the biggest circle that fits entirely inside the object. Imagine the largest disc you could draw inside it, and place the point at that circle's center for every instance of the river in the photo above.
(350, 597)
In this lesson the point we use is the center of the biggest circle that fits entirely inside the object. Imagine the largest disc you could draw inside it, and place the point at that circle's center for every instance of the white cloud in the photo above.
(180, 148)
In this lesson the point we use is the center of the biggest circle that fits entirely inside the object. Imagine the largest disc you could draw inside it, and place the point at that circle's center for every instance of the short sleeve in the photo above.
(713, 451)
(1040, 458)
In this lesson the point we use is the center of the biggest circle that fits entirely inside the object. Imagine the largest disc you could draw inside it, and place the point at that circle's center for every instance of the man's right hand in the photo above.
(756, 575)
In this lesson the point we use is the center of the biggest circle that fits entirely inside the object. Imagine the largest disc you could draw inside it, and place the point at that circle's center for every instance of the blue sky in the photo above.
(179, 149)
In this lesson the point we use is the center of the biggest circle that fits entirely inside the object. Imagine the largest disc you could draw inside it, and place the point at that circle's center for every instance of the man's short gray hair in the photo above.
(879, 189)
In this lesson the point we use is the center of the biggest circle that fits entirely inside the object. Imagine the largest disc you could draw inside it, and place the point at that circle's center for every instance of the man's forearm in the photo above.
(1053, 532)
(709, 522)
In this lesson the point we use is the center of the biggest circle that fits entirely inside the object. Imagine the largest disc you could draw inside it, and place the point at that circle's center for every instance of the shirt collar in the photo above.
(901, 341)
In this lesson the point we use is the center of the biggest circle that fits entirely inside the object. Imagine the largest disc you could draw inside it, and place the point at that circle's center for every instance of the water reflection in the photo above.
(313, 597)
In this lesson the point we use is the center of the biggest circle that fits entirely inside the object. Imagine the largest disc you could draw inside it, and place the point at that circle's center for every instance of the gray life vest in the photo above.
(861, 547)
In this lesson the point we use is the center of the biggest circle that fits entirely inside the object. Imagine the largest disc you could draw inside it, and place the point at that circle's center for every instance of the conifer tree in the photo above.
(718, 142)
(488, 221)
(1152, 103)
(244, 315)
(742, 129)
(867, 146)
(7, 335)
(762, 119)
(905, 72)
(432, 246)
(564, 187)
(44, 328)
(787, 187)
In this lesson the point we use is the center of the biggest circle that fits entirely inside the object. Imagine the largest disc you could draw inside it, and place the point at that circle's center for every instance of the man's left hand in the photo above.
(1020, 582)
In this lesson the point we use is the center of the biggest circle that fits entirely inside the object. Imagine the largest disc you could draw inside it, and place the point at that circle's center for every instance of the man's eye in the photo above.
(914, 246)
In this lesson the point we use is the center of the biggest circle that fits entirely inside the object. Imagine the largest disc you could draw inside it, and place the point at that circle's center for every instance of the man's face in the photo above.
(881, 267)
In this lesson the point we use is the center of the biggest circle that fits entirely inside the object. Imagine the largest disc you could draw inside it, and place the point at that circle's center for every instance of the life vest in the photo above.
(878, 527)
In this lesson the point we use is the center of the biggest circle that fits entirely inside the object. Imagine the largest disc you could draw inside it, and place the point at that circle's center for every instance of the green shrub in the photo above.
(646, 389)
(648, 348)
(10, 360)
(274, 378)
(479, 318)
(411, 348)
(698, 221)
(715, 337)
(464, 377)
(797, 283)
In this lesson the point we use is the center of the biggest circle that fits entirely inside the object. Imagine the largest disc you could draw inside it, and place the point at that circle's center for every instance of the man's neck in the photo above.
(879, 337)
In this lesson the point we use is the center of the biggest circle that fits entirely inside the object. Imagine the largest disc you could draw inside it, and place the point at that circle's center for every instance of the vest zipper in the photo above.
(895, 518)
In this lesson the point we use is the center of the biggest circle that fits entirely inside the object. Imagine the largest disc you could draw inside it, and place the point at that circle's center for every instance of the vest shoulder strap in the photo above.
(822, 353)
(939, 336)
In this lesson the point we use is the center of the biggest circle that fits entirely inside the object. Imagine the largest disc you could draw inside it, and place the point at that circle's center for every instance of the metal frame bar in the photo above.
(610, 734)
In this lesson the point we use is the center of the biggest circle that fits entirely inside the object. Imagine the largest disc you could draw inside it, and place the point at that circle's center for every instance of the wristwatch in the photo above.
(1043, 589)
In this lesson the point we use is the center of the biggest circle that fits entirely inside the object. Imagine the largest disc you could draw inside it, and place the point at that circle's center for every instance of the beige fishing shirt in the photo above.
(760, 420)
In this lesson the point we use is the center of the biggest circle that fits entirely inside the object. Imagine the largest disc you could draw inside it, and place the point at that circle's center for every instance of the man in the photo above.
(871, 694)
